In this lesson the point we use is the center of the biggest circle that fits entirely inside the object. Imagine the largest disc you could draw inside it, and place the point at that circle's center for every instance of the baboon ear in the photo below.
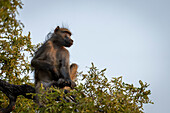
(56, 29)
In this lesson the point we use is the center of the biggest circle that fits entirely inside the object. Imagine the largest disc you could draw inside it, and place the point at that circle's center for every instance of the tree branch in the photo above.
(12, 91)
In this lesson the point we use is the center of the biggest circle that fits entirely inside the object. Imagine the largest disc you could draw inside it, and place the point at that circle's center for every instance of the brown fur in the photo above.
(51, 61)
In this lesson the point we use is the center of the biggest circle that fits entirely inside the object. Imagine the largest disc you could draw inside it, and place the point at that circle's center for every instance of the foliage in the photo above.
(14, 46)
(95, 94)
(114, 95)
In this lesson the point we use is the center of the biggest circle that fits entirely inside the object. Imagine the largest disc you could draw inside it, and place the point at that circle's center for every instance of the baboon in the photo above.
(51, 61)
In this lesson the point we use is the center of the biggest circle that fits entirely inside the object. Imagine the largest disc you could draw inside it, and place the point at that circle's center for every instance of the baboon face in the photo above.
(63, 36)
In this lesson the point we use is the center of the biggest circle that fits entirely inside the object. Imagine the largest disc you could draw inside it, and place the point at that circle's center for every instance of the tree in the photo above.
(95, 94)
(14, 47)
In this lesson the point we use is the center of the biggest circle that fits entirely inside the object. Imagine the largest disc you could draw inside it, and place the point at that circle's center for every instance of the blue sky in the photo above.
(131, 38)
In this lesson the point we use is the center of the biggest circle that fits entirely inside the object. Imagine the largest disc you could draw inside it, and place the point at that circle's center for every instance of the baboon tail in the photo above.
(73, 71)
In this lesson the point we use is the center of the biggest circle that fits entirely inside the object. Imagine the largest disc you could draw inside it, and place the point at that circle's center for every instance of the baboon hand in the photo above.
(71, 84)
(63, 83)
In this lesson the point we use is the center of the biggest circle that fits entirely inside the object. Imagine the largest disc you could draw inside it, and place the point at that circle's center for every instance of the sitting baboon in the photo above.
(51, 61)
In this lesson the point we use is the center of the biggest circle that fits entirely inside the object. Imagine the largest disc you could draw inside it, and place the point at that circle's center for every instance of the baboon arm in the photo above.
(41, 64)
(65, 68)
(39, 60)
(65, 72)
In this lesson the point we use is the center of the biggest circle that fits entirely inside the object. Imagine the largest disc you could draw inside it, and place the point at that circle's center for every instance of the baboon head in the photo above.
(63, 37)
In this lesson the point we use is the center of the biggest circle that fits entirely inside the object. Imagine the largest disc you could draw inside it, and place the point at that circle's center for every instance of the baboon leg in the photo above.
(73, 71)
